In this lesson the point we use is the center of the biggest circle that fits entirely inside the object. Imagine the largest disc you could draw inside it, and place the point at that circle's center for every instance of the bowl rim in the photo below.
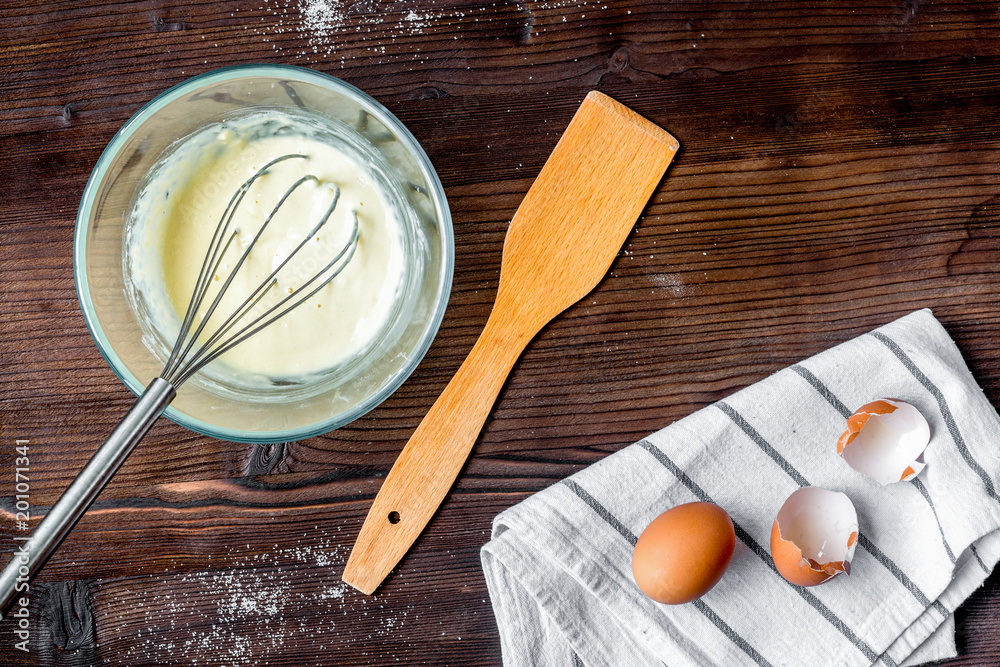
(293, 73)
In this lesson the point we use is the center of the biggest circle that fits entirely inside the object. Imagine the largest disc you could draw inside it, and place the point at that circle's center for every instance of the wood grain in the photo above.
(838, 171)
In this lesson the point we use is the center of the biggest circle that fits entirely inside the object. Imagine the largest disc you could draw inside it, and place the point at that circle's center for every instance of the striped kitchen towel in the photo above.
(558, 565)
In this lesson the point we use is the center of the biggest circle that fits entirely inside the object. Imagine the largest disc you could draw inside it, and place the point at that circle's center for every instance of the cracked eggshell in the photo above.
(814, 536)
(885, 439)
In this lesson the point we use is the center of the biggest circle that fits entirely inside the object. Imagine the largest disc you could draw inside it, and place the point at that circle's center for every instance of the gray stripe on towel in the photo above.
(927, 496)
(949, 419)
(823, 390)
(863, 541)
(732, 634)
(602, 511)
(610, 519)
(765, 556)
(759, 440)
(979, 560)
(888, 563)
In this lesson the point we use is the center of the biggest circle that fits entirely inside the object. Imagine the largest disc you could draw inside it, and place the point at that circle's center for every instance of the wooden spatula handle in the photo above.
(433, 457)
(560, 243)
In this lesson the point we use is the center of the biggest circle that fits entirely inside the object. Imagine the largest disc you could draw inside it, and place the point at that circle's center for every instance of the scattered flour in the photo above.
(373, 29)
(330, 27)
(673, 281)
(259, 608)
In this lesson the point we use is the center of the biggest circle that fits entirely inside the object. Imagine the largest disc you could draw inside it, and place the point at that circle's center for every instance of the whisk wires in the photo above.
(234, 329)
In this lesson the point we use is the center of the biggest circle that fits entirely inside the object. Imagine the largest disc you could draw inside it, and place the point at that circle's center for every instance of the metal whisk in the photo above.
(193, 348)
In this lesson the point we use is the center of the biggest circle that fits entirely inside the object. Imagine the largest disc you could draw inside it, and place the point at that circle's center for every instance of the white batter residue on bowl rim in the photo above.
(180, 205)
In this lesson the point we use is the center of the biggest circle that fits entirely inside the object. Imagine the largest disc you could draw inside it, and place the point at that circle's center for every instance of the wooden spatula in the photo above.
(559, 245)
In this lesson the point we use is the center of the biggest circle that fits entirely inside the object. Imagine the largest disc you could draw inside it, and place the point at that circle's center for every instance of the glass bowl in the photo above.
(285, 411)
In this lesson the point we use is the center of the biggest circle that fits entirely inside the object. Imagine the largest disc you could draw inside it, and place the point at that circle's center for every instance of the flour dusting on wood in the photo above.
(380, 31)
(330, 27)
(295, 592)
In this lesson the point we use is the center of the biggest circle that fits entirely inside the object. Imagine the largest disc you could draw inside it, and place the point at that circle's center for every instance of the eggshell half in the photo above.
(814, 536)
(885, 439)
(683, 553)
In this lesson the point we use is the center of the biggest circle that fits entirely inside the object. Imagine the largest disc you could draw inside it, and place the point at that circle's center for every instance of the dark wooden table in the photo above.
(838, 170)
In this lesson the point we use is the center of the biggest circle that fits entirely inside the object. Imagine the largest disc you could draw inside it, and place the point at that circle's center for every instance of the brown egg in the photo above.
(683, 553)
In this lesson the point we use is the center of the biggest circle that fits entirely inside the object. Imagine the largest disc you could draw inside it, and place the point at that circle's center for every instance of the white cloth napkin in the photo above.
(558, 565)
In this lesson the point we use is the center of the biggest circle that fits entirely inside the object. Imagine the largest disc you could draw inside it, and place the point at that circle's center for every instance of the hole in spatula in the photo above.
(393, 517)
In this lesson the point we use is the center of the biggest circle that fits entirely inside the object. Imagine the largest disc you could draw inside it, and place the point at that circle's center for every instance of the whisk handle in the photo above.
(60, 519)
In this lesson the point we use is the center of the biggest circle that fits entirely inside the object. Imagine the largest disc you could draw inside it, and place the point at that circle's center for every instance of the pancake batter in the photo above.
(180, 206)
